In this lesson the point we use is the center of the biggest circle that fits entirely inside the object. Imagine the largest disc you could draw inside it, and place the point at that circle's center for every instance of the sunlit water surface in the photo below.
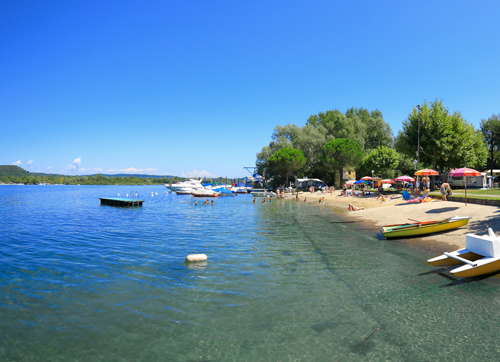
(283, 282)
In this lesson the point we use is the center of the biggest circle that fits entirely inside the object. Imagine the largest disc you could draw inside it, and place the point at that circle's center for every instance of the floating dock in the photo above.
(114, 201)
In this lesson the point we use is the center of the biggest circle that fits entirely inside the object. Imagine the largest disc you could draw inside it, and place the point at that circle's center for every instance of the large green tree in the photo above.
(490, 129)
(446, 139)
(382, 160)
(340, 153)
(286, 160)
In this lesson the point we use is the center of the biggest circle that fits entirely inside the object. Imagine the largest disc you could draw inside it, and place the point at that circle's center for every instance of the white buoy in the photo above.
(196, 257)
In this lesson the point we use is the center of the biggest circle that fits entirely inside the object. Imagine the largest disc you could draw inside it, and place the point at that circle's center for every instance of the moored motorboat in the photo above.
(191, 183)
(224, 192)
(205, 193)
(480, 256)
(423, 227)
(262, 193)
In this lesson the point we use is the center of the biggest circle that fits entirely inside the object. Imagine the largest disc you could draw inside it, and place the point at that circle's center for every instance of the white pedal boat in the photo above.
(480, 256)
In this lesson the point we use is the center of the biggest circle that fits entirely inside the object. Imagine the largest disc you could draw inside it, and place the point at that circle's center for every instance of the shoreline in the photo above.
(398, 211)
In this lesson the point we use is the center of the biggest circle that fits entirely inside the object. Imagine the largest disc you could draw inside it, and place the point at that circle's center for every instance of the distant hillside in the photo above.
(136, 175)
(10, 170)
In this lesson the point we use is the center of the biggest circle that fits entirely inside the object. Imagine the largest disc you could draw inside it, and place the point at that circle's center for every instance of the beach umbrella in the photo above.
(463, 172)
(388, 181)
(426, 172)
(405, 179)
(350, 182)
(367, 178)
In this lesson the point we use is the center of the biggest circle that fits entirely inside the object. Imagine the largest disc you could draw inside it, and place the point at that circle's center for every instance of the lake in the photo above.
(284, 281)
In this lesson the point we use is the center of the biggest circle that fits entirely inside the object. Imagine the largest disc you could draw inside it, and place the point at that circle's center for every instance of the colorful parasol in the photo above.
(367, 178)
(388, 181)
(464, 172)
(426, 172)
(405, 179)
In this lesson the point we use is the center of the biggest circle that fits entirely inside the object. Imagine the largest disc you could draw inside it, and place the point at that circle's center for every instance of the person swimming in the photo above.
(254, 200)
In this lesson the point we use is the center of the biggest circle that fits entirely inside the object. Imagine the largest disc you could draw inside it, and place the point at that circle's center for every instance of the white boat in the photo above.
(241, 189)
(191, 183)
(480, 256)
(188, 190)
(205, 193)
(262, 193)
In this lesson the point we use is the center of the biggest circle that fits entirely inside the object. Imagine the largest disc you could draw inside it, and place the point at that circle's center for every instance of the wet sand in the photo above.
(398, 211)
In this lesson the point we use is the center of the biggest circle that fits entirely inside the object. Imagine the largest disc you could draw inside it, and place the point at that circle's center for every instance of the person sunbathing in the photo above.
(354, 208)
(384, 198)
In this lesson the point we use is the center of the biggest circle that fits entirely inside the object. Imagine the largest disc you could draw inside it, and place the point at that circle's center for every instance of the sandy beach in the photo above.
(398, 211)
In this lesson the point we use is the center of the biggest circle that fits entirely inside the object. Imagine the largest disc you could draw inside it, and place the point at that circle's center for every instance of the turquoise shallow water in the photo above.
(284, 282)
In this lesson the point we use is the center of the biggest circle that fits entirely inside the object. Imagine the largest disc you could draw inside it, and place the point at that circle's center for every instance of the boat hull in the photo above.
(484, 266)
(443, 260)
(197, 194)
(422, 229)
(262, 193)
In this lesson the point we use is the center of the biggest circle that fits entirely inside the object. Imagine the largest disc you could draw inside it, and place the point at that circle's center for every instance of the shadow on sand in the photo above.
(442, 209)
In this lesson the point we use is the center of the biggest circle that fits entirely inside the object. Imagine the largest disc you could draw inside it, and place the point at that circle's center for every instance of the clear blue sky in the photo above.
(197, 87)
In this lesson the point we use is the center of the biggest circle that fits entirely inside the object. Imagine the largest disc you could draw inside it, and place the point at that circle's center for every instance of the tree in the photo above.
(383, 160)
(490, 129)
(340, 126)
(287, 160)
(340, 153)
(446, 139)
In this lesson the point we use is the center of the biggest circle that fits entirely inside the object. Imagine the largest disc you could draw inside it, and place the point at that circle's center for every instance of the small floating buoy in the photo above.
(118, 194)
(196, 257)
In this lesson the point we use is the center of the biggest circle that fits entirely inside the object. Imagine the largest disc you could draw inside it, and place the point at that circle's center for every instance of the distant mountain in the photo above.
(10, 170)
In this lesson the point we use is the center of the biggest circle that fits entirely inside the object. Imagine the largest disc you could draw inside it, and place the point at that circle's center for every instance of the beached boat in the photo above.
(424, 227)
(481, 256)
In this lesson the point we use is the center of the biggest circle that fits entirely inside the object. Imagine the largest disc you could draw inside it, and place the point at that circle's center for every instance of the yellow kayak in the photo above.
(425, 227)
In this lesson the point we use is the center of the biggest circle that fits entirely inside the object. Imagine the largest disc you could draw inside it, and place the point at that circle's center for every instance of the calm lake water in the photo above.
(283, 282)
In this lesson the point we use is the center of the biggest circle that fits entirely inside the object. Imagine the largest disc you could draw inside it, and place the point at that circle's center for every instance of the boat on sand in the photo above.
(480, 256)
(423, 227)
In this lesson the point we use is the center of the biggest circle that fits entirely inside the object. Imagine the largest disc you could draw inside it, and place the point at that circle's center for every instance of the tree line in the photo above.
(89, 180)
(333, 142)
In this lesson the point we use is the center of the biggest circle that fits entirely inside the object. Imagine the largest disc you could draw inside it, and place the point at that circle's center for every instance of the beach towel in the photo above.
(406, 195)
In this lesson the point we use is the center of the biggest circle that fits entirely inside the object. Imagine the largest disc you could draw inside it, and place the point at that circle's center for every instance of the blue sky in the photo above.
(196, 88)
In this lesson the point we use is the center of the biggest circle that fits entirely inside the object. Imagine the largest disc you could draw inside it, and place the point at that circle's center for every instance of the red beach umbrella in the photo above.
(367, 178)
(388, 181)
(463, 172)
